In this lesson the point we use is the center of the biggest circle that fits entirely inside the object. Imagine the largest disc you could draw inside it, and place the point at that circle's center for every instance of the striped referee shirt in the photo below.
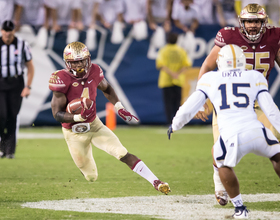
(13, 58)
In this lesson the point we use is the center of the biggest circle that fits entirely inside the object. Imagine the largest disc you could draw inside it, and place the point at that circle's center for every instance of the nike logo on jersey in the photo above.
(90, 81)
(262, 46)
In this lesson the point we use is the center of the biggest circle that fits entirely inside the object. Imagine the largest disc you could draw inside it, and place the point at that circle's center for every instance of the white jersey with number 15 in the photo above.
(233, 93)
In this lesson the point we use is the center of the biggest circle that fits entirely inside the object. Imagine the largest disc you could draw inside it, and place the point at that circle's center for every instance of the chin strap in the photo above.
(253, 37)
(74, 72)
(80, 70)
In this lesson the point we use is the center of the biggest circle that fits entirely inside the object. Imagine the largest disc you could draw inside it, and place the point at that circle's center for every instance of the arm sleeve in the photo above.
(220, 38)
(270, 109)
(27, 52)
(58, 82)
(98, 74)
(188, 110)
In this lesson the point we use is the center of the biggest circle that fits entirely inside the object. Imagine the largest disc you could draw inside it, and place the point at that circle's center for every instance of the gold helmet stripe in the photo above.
(234, 56)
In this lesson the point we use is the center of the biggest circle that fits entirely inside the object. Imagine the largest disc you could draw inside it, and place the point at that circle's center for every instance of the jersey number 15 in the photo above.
(235, 92)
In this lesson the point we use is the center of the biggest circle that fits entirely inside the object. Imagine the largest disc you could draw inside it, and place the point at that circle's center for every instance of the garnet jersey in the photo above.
(261, 54)
(65, 82)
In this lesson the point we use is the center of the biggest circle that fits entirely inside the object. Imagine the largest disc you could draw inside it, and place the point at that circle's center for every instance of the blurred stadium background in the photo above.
(129, 67)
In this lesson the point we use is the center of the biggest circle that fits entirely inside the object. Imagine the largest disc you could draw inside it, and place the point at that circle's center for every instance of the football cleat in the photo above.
(162, 187)
(10, 156)
(222, 197)
(241, 212)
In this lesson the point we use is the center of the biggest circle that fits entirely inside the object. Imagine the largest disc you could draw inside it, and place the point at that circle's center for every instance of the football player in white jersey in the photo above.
(233, 91)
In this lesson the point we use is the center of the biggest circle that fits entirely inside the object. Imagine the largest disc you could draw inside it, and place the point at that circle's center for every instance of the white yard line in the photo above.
(168, 207)
(186, 130)
(39, 136)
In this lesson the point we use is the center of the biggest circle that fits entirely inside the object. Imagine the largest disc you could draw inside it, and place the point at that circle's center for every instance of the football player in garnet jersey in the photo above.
(261, 47)
(81, 78)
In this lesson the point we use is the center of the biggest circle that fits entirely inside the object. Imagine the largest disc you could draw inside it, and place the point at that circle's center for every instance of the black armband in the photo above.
(59, 116)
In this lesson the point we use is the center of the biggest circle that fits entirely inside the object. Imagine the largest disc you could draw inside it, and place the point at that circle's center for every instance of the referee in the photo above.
(15, 55)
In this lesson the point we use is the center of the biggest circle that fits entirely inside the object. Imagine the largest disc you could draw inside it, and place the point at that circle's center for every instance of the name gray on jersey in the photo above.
(235, 73)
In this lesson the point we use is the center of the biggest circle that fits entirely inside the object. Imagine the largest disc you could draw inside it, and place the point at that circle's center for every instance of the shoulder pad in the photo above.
(56, 81)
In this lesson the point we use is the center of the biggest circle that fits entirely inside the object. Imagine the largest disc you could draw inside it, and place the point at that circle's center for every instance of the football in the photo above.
(75, 106)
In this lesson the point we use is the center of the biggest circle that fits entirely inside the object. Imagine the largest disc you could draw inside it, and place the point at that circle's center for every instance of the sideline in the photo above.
(169, 207)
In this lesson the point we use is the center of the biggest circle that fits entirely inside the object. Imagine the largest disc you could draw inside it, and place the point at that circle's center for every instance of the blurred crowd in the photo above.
(83, 15)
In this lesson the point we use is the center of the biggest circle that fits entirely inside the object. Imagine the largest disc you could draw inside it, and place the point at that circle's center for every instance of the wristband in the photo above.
(78, 118)
(118, 106)
(29, 87)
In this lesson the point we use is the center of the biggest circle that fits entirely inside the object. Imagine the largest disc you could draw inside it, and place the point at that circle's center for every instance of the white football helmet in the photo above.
(231, 57)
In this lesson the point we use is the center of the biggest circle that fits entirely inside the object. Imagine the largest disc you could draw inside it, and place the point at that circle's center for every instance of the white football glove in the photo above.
(124, 114)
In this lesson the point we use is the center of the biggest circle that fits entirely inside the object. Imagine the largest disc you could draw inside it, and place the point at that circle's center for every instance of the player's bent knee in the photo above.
(276, 158)
(91, 178)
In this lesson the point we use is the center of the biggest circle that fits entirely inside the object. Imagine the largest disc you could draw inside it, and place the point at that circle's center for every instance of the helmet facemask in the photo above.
(77, 59)
(252, 37)
(78, 68)
(250, 13)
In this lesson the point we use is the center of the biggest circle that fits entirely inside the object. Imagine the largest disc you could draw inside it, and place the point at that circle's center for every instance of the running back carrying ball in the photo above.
(76, 105)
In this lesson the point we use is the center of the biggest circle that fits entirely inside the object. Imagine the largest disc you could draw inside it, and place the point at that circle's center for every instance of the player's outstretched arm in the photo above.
(270, 109)
(111, 95)
(108, 91)
(186, 112)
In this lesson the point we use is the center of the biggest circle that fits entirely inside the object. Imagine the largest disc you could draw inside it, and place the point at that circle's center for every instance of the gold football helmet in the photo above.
(77, 59)
(253, 12)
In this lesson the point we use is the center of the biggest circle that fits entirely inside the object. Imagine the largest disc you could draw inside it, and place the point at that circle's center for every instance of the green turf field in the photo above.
(43, 170)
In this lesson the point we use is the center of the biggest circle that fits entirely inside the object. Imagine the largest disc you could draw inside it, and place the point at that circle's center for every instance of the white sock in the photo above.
(217, 181)
(145, 172)
(237, 201)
